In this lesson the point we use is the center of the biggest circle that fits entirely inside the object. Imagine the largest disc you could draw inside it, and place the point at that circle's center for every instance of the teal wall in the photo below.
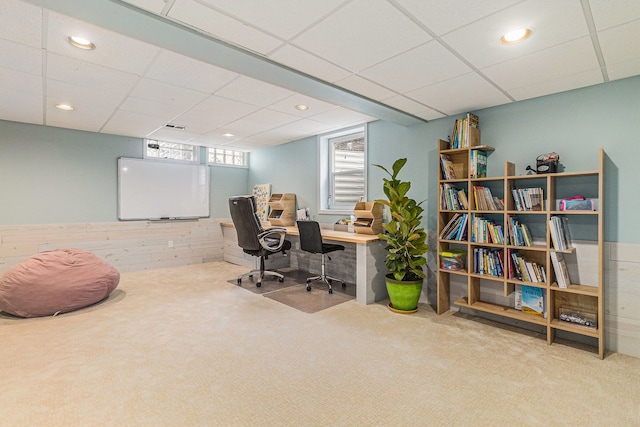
(51, 175)
(575, 124)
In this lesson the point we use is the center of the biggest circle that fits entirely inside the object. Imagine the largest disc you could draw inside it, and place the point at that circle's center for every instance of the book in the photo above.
(478, 164)
(448, 171)
(560, 268)
(533, 300)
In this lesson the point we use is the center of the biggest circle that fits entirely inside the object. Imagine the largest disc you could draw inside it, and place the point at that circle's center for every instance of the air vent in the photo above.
(176, 127)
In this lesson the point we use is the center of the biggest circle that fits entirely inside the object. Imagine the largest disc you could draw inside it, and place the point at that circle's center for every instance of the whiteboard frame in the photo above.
(162, 190)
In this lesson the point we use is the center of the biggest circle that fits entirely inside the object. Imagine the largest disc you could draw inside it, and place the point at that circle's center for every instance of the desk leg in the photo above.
(370, 272)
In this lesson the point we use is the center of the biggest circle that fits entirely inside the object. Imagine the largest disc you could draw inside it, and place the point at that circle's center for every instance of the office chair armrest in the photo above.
(268, 238)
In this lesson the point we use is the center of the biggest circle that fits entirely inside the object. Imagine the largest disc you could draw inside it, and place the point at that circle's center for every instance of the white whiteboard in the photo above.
(150, 189)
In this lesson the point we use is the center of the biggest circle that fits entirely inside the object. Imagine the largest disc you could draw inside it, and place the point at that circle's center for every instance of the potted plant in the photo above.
(406, 242)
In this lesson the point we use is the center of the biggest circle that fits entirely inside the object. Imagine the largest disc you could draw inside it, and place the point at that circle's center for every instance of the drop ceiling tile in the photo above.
(567, 59)
(165, 93)
(220, 26)
(88, 114)
(616, 43)
(607, 14)
(552, 22)
(214, 112)
(288, 105)
(443, 16)
(245, 146)
(22, 58)
(252, 91)
(168, 111)
(561, 84)
(20, 97)
(112, 50)
(171, 135)
(211, 139)
(342, 117)
(365, 87)
(284, 18)
(361, 34)
(21, 22)
(424, 65)
(132, 124)
(259, 121)
(623, 70)
(183, 71)
(81, 73)
(409, 105)
(305, 127)
(459, 95)
(307, 63)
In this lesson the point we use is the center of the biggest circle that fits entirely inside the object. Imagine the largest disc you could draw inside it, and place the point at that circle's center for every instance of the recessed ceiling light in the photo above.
(228, 135)
(302, 107)
(515, 36)
(80, 43)
(65, 107)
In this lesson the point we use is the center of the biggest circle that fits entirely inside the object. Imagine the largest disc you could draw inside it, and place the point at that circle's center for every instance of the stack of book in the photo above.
(528, 199)
(488, 261)
(448, 171)
(560, 268)
(452, 198)
(456, 228)
(462, 131)
(485, 201)
(518, 234)
(522, 269)
(560, 237)
(484, 230)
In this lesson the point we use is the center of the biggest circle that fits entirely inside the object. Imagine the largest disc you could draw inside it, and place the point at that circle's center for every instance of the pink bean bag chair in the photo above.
(54, 282)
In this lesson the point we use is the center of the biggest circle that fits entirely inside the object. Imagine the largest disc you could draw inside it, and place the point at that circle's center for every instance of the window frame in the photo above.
(245, 157)
(325, 178)
(147, 141)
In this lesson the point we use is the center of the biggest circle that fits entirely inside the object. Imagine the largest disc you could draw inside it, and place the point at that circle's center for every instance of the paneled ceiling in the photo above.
(235, 67)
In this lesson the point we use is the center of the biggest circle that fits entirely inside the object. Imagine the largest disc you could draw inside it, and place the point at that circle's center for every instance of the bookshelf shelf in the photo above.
(586, 228)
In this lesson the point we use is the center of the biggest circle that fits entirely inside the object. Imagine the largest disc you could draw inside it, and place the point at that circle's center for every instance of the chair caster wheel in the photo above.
(280, 279)
(308, 281)
(308, 288)
(344, 285)
(239, 282)
(330, 281)
(330, 291)
(258, 284)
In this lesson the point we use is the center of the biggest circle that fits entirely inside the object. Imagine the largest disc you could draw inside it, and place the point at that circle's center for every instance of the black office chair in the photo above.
(255, 240)
(311, 241)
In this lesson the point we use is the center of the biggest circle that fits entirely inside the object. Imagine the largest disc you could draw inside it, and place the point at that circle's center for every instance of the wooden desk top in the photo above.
(327, 233)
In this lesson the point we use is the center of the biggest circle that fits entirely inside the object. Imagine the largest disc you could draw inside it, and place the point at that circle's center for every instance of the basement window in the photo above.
(154, 149)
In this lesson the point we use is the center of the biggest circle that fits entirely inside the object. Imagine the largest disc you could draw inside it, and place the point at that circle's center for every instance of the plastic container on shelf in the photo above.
(452, 260)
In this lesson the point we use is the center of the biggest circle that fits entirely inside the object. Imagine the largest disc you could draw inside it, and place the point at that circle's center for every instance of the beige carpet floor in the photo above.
(182, 347)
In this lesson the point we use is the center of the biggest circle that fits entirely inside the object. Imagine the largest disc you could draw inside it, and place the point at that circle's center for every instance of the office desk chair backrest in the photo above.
(310, 236)
(243, 215)
(254, 239)
(311, 241)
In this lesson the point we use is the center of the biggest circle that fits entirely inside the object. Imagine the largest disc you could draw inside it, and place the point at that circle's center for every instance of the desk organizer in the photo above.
(283, 209)
(368, 218)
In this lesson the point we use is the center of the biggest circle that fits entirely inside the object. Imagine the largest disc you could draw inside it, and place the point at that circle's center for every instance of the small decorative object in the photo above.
(577, 203)
(546, 163)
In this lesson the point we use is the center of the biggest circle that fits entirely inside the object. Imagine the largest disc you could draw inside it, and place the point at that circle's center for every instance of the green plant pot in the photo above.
(404, 295)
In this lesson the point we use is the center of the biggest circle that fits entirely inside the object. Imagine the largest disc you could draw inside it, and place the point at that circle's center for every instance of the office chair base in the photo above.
(260, 275)
(325, 279)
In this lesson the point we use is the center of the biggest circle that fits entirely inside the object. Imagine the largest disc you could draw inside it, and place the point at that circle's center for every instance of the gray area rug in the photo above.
(293, 291)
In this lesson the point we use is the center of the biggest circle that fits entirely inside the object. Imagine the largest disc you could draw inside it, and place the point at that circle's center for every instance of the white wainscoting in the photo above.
(126, 245)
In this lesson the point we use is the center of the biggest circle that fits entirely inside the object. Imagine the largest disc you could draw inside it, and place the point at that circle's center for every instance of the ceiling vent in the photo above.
(176, 127)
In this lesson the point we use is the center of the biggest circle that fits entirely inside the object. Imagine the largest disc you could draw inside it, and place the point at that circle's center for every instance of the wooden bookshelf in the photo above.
(495, 294)
(283, 209)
